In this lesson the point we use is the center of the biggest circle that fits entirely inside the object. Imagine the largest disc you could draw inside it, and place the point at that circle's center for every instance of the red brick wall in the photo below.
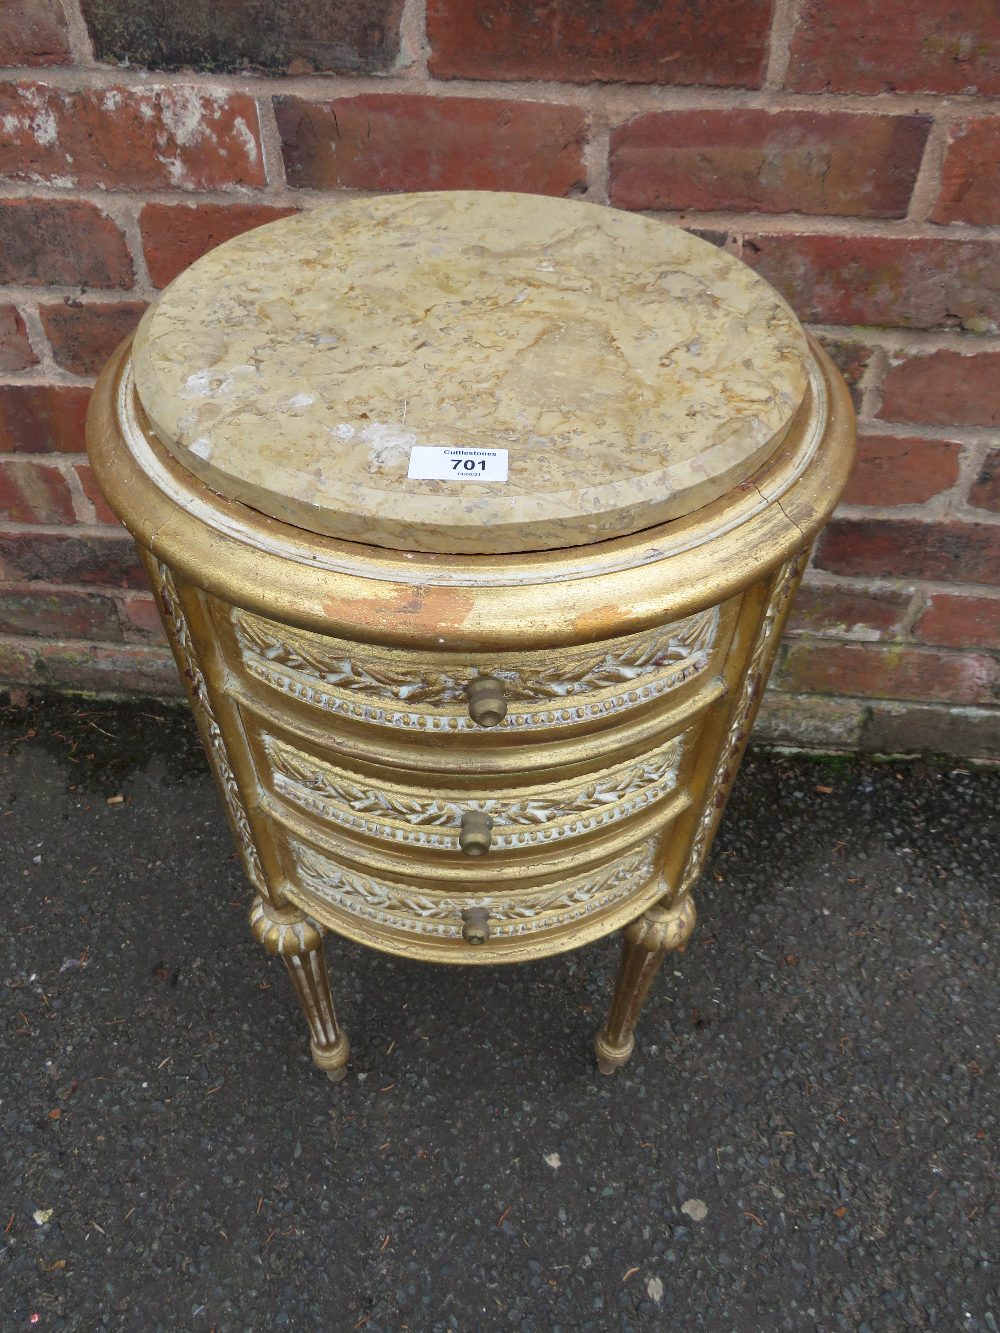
(848, 149)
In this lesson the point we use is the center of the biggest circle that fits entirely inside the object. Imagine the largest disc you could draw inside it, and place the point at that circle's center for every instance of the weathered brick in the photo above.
(801, 722)
(393, 141)
(892, 471)
(101, 668)
(111, 560)
(175, 235)
(45, 241)
(714, 42)
(868, 46)
(88, 482)
(83, 336)
(42, 418)
(33, 32)
(32, 492)
(281, 36)
(15, 349)
(852, 359)
(985, 491)
(155, 138)
(903, 282)
(834, 163)
(951, 621)
(848, 613)
(890, 671)
(949, 551)
(943, 389)
(140, 619)
(970, 177)
(61, 613)
(901, 728)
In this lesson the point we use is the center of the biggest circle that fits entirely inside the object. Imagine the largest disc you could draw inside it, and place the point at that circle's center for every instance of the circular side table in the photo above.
(474, 520)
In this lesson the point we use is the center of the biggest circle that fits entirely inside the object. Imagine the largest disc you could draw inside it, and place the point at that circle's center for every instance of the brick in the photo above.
(722, 43)
(42, 418)
(60, 613)
(102, 510)
(890, 671)
(280, 36)
(140, 619)
(804, 722)
(900, 728)
(175, 235)
(33, 32)
(867, 46)
(985, 492)
(893, 471)
(832, 163)
(111, 561)
(33, 492)
(84, 336)
(949, 551)
(943, 389)
(970, 177)
(45, 241)
(405, 142)
(896, 281)
(951, 621)
(155, 138)
(848, 613)
(98, 668)
(15, 350)
(852, 359)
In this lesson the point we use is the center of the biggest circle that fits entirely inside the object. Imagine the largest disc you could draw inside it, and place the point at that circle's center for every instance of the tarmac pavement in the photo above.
(804, 1139)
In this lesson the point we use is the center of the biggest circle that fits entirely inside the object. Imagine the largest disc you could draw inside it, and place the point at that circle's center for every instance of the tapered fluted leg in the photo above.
(645, 942)
(298, 942)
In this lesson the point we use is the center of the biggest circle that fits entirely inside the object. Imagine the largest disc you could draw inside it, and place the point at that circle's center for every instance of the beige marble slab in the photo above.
(632, 372)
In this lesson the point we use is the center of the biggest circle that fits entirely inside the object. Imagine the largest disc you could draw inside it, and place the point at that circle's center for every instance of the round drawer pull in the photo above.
(476, 833)
(475, 925)
(487, 701)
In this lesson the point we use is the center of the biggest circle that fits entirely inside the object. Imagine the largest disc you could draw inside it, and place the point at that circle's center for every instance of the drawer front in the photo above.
(388, 912)
(584, 687)
(524, 818)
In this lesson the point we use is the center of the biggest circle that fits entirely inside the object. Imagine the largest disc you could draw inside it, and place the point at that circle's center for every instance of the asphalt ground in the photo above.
(803, 1140)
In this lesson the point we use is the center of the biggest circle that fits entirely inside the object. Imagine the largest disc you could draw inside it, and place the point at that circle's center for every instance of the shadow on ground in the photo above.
(817, 1069)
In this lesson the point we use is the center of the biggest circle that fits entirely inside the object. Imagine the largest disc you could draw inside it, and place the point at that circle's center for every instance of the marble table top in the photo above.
(601, 372)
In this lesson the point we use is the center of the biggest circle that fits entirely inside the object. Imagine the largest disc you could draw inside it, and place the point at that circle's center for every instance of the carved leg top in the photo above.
(285, 931)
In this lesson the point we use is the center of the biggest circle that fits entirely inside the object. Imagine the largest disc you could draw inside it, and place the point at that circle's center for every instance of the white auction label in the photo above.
(431, 462)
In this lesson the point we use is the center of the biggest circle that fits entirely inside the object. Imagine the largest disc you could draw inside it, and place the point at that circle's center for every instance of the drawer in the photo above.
(562, 691)
(388, 818)
(400, 915)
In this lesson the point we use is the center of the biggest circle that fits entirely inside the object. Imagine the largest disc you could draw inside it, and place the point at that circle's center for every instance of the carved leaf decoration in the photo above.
(631, 659)
(334, 785)
(329, 881)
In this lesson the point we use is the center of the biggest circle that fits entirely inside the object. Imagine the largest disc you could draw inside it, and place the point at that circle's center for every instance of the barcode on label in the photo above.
(452, 463)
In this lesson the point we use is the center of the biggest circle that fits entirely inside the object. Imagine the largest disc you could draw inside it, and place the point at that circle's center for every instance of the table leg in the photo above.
(645, 942)
(298, 942)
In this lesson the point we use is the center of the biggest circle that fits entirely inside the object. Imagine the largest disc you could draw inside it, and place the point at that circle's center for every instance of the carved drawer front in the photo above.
(402, 819)
(580, 688)
(367, 905)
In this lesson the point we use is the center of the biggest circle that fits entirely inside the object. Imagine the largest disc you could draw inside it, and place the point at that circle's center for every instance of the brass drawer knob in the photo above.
(476, 833)
(475, 925)
(487, 702)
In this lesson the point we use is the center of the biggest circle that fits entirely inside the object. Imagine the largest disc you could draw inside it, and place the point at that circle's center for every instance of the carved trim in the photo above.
(329, 674)
(785, 583)
(180, 636)
(284, 930)
(410, 909)
(544, 815)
